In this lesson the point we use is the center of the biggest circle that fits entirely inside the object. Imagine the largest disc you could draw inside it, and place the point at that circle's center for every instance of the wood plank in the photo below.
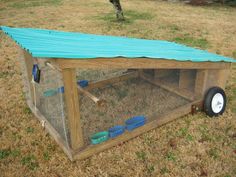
(98, 101)
(72, 107)
(158, 120)
(217, 77)
(222, 77)
(28, 61)
(107, 82)
(205, 79)
(159, 73)
(201, 82)
(138, 63)
(172, 87)
(187, 79)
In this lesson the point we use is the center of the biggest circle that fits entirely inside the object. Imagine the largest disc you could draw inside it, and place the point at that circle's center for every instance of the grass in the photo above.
(150, 169)
(121, 93)
(34, 3)
(170, 156)
(234, 54)
(27, 110)
(5, 153)
(29, 129)
(30, 162)
(141, 155)
(213, 153)
(164, 170)
(5, 74)
(46, 156)
(182, 132)
(23, 150)
(131, 16)
(191, 41)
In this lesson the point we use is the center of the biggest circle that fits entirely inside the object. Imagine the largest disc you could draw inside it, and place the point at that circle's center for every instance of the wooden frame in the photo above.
(203, 73)
(138, 63)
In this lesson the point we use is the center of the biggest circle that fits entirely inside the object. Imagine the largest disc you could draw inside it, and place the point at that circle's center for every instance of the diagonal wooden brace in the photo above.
(99, 102)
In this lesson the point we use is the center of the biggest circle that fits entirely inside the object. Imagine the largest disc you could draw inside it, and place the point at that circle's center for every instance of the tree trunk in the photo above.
(118, 8)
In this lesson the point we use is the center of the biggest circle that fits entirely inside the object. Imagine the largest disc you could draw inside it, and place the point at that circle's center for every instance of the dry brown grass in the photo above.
(191, 146)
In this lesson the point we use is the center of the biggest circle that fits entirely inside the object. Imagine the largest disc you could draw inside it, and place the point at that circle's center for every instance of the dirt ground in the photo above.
(190, 146)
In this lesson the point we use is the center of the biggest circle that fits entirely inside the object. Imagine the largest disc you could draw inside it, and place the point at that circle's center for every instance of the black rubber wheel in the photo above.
(215, 102)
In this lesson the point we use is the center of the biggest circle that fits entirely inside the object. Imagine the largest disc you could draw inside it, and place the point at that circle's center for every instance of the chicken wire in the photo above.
(47, 97)
(124, 99)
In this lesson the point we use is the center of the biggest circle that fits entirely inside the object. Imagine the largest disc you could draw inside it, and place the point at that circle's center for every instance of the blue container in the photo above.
(135, 122)
(82, 83)
(116, 131)
(36, 73)
(61, 90)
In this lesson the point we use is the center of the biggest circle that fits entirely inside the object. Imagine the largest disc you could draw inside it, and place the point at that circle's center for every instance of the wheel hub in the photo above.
(217, 103)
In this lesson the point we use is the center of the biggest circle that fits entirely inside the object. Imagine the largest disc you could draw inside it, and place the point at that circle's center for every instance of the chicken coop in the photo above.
(92, 92)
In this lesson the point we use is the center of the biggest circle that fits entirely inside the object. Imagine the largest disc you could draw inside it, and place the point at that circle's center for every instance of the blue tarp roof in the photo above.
(56, 44)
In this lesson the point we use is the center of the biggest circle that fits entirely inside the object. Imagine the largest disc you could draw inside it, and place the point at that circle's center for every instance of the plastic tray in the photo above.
(49, 93)
(116, 131)
(135, 122)
(99, 137)
(61, 90)
(82, 83)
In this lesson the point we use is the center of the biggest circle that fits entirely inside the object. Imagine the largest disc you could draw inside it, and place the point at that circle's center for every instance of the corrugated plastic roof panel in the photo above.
(56, 44)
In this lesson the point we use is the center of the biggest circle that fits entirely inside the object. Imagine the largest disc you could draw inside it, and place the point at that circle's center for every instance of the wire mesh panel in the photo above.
(150, 94)
(51, 104)
(126, 99)
(47, 96)
(96, 75)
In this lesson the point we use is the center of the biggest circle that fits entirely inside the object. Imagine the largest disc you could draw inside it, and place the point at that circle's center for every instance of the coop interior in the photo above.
(123, 93)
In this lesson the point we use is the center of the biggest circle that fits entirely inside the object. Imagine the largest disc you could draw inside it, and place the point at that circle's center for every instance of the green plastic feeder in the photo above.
(49, 93)
(99, 137)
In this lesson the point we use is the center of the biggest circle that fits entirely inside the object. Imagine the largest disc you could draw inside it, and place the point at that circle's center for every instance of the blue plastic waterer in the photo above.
(61, 90)
(82, 83)
(135, 122)
(116, 131)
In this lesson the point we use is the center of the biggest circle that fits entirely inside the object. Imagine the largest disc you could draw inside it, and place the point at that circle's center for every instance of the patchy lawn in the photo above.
(191, 146)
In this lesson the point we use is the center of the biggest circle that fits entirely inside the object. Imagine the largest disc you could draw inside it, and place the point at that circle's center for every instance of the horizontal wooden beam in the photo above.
(113, 80)
(155, 121)
(170, 87)
(138, 63)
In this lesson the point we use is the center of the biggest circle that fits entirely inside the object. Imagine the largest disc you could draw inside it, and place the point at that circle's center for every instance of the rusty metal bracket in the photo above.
(197, 107)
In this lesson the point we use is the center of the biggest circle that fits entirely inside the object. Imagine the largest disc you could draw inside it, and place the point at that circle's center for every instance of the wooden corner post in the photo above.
(201, 82)
(72, 106)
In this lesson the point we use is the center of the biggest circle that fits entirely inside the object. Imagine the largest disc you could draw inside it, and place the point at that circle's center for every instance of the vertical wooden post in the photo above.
(29, 65)
(72, 106)
(201, 82)
(222, 77)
